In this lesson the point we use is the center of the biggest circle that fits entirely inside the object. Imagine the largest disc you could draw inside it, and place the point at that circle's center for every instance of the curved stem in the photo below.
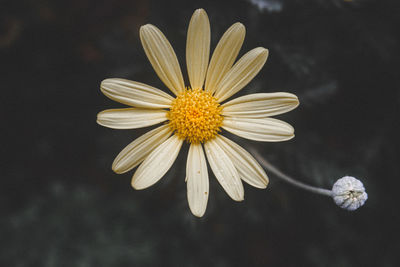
(267, 165)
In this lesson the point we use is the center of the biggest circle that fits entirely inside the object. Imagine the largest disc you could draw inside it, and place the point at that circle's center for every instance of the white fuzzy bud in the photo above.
(349, 193)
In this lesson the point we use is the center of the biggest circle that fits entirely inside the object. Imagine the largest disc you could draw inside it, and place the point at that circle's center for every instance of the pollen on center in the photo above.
(195, 115)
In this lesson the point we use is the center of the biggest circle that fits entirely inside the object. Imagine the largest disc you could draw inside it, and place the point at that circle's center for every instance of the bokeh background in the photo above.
(61, 205)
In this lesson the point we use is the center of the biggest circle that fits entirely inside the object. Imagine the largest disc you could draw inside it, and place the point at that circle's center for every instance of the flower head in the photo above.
(349, 193)
(197, 113)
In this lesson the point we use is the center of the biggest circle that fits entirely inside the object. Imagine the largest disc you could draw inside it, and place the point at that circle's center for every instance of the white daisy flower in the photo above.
(197, 113)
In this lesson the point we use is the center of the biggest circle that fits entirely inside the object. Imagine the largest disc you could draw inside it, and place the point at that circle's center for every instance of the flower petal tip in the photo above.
(98, 118)
(145, 27)
(239, 26)
(105, 84)
(265, 185)
(115, 168)
(239, 199)
(263, 51)
(105, 81)
(198, 214)
(136, 186)
(294, 100)
(200, 11)
(238, 196)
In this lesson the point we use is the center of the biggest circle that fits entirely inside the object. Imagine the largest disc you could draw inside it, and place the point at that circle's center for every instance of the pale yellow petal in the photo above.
(224, 170)
(248, 168)
(198, 48)
(157, 163)
(135, 94)
(260, 105)
(241, 73)
(134, 153)
(265, 129)
(197, 180)
(131, 118)
(162, 57)
(224, 55)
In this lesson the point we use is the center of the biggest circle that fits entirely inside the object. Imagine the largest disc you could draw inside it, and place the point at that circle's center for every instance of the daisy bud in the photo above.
(349, 193)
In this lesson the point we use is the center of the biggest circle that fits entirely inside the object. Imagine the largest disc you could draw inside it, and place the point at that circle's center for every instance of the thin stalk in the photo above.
(267, 165)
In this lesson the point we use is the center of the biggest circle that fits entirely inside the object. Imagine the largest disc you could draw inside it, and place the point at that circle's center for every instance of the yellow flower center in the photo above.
(195, 115)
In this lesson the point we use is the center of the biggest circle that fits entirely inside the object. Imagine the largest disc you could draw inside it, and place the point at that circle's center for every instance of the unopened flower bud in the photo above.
(349, 193)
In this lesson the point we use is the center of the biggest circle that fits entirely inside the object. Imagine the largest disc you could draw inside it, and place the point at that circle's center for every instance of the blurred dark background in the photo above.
(61, 204)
